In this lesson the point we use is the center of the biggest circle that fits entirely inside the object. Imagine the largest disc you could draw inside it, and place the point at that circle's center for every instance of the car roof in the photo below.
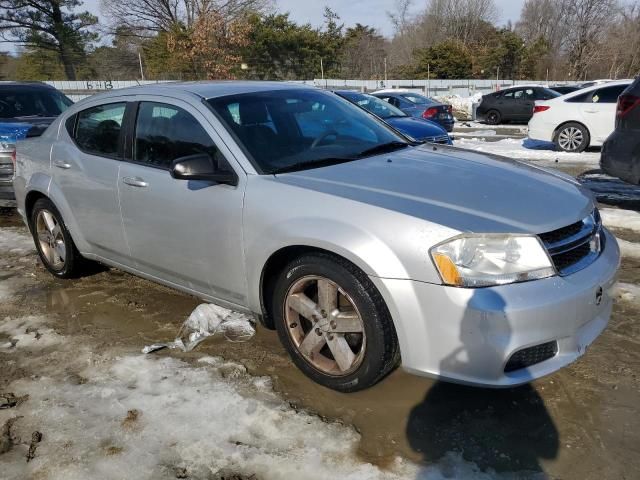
(13, 84)
(597, 86)
(204, 89)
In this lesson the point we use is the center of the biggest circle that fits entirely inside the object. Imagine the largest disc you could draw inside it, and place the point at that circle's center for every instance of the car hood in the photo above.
(415, 127)
(465, 191)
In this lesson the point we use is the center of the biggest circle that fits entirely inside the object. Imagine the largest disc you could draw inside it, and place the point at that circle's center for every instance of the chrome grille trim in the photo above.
(575, 246)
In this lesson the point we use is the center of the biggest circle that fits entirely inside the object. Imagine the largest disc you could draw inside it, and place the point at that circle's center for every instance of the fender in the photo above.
(360, 247)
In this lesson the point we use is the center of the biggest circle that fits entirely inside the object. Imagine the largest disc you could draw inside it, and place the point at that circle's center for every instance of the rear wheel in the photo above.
(493, 117)
(53, 241)
(572, 137)
(334, 323)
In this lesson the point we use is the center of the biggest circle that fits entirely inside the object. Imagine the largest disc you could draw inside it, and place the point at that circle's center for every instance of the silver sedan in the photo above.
(362, 249)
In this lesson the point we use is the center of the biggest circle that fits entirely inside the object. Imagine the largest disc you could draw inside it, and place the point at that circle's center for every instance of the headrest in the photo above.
(252, 113)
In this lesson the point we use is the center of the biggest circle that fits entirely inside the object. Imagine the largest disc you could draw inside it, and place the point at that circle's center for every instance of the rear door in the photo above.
(507, 105)
(600, 113)
(188, 233)
(85, 159)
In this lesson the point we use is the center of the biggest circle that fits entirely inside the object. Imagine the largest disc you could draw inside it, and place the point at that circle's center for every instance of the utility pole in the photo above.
(385, 71)
(141, 70)
(498, 79)
(321, 69)
(428, 79)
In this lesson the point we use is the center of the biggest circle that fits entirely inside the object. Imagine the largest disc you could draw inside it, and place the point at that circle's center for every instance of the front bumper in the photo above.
(468, 335)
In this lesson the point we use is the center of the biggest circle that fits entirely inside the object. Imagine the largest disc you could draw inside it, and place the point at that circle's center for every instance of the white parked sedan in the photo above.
(578, 120)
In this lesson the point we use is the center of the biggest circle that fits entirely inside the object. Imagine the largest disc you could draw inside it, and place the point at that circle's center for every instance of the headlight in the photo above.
(485, 260)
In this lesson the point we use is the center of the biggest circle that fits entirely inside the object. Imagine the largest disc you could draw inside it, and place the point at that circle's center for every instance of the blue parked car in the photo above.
(26, 110)
(416, 128)
(420, 106)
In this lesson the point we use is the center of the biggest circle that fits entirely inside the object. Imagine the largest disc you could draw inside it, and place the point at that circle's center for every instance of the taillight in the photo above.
(430, 112)
(540, 108)
(626, 103)
(13, 158)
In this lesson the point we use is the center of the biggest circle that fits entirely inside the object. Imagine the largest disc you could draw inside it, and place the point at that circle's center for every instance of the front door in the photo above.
(188, 233)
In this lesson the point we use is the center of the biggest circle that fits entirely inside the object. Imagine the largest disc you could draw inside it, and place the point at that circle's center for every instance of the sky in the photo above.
(373, 12)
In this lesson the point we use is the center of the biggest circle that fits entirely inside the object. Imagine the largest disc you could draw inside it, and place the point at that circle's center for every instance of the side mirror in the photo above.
(201, 167)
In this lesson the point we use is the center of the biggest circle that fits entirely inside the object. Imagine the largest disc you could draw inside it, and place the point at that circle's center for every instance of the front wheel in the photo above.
(334, 323)
(572, 137)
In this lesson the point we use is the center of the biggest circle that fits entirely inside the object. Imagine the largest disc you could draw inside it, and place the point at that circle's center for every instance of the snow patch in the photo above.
(462, 106)
(527, 149)
(619, 218)
(629, 249)
(148, 418)
(28, 332)
(15, 241)
(627, 291)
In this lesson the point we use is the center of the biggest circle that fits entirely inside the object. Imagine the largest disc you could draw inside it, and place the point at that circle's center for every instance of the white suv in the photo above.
(579, 119)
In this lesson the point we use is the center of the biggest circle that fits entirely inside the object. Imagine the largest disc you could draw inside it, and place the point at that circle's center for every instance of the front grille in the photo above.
(530, 356)
(575, 246)
(443, 139)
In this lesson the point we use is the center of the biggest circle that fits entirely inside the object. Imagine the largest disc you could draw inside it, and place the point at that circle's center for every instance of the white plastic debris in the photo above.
(207, 320)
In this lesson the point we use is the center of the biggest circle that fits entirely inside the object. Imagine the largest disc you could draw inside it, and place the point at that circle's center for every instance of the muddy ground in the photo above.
(580, 423)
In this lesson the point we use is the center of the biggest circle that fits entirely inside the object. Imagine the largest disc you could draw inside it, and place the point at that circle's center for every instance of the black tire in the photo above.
(564, 135)
(493, 117)
(381, 354)
(74, 264)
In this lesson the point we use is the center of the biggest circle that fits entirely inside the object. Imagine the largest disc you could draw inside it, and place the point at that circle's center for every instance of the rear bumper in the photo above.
(621, 157)
(469, 335)
(541, 130)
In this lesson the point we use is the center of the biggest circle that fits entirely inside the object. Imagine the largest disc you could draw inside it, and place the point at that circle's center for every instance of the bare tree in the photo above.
(590, 20)
(147, 17)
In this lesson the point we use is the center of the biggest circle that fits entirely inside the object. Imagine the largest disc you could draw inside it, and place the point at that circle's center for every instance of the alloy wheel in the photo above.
(325, 325)
(570, 138)
(51, 239)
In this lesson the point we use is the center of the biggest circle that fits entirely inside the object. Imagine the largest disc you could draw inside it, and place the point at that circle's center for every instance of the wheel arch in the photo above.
(274, 265)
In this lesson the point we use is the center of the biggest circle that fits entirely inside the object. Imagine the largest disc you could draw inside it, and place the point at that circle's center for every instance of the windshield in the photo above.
(293, 129)
(375, 105)
(417, 99)
(550, 93)
(32, 102)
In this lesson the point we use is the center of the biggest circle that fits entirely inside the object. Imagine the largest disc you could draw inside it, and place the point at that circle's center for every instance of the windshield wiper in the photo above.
(323, 162)
(383, 148)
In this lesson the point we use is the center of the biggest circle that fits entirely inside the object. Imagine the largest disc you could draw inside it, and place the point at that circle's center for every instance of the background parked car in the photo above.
(417, 105)
(578, 120)
(416, 128)
(512, 104)
(621, 151)
(564, 89)
(26, 109)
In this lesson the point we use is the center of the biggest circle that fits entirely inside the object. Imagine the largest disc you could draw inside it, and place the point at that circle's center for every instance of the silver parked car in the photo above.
(361, 249)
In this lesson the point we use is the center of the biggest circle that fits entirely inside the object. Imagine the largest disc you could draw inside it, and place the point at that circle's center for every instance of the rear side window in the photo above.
(166, 132)
(608, 94)
(98, 129)
(582, 98)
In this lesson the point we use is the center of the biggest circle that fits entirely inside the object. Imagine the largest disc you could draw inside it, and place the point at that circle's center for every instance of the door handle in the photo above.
(61, 164)
(135, 182)
(591, 111)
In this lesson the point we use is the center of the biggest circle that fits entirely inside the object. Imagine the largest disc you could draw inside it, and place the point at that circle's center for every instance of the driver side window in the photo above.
(166, 132)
